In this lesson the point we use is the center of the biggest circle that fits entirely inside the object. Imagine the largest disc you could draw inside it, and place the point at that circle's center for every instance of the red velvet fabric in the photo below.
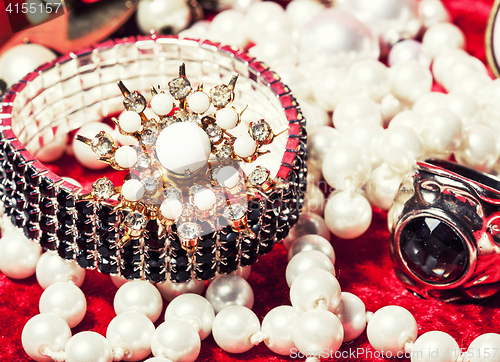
(363, 267)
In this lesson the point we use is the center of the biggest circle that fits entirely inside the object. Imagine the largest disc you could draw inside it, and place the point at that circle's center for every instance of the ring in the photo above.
(444, 232)
(168, 226)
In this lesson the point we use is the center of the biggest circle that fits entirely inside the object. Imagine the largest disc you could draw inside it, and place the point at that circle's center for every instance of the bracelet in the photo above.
(61, 96)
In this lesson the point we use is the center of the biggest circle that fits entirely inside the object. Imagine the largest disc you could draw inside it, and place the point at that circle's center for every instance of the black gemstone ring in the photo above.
(80, 87)
(445, 232)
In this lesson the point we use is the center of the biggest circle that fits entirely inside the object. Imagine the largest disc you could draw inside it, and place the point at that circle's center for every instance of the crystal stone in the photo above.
(258, 176)
(135, 101)
(214, 132)
(172, 193)
(224, 152)
(179, 87)
(261, 130)
(189, 230)
(149, 137)
(150, 183)
(135, 220)
(433, 250)
(235, 212)
(185, 116)
(188, 211)
(193, 190)
(102, 144)
(103, 188)
(167, 121)
(143, 161)
(221, 95)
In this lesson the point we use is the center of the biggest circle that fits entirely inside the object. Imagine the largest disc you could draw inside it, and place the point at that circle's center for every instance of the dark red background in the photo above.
(363, 267)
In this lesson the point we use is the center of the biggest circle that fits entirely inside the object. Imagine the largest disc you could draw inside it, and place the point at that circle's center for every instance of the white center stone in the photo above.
(183, 146)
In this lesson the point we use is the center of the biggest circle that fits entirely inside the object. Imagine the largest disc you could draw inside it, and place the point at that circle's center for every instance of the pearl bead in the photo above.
(205, 200)
(278, 50)
(228, 176)
(18, 254)
(264, 20)
(402, 146)
(227, 27)
(315, 116)
(195, 310)
(84, 153)
(130, 121)
(348, 214)
(163, 16)
(312, 242)
(464, 106)
(354, 109)
(307, 224)
(408, 49)
(483, 348)
(472, 83)
(176, 340)
(346, 167)
(158, 359)
(382, 186)
(88, 346)
(330, 87)
(44, 332)
(171, 209)
(441, 132)
(53, 148)
(19, 60)
(389, 107)
(183, 146)
(301, 12)
(316, 331)
(478, 149)
(407, 118)
(352, 314)
(410, 80)
(236, 4)
(245, 146)
(118, 280)
(199, 102)
(370, 78)
(72, 181)
(312, 287)
(459, 68)
(131, 332)
(336, 38)
(234, 327)
(133, 190)
(162, 104)
(294, 78)
(365, 135)
(139, 296)
(432, 12)
(170, 290)
(444, 60)
(126, 157)
(314, 200)
(442, 36)
(390, 328)
(429, 102)
(277, 327)
(318, 143)
(227, 118)
(307, 260)
(66, 300)
(228, 290)
(51, 268)
(442, 346)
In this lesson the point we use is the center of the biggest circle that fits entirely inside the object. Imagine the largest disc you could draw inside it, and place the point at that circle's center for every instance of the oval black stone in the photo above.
(433, 250)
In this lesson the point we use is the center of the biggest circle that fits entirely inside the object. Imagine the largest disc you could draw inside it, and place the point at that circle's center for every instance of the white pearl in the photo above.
(183, 146)
(346, 167)
(66, 300)
(459, 68)
(130, 121)
(171, 209)
(390, 328)
(316, 331)
(19, 60)
(370, 78)
(478, 149)
(410, 80)
(44, 332)
(84, 153)
(307, 260)
(277, 327)
(294, 78)
(336, 38)
(118, 280)
(227, 27)
(483, 348)
(205, 199)
(402, 146)
(228, 290)
(139, 296)
(163, 16)
(131, 333)
(318, 143)
(158, 359)
(170, 290)
(312, 242)
(176, 340)
(18, 254)
(244, 146)
(442, 36)
(348, 214)
(409, 49)
(382, 186)
(330, 87)
(193, 309)
(88, 346)
(133, 190)
(389, 107)
(236, 4)
(314, 200)
(432, 12)
(352, 314)
(264, 20)
(227, 118)
(313, 287)
(162, 104)
(307, 224)
(274, 51)
(365, 135)
(464, 106)
(199, 102)
(444, 60)
(52, 149)
(301, 12)
(316, 116)
(429, 102)
(442, 346)
(407, 118)
(228, 176)
(72, 181)
(234, 327)
(51, 268)
(472, 84)
(441, 132)
(126, 157)
(354, 109)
